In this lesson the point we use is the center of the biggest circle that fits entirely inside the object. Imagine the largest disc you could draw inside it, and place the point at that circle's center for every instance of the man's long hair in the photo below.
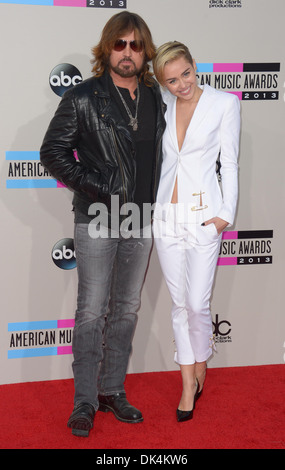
(119, 25)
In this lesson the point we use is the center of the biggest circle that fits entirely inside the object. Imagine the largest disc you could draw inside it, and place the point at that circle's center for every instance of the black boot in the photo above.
(81, 419)
(120, 406)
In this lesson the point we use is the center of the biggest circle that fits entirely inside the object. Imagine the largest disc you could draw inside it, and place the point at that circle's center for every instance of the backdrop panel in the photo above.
(46, 47)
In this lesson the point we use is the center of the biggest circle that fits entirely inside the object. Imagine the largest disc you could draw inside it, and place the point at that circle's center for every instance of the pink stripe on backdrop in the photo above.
(229, 67)
(227, 261)
(69, 3)
(65, 323)
(230, 235)
(237, 93)
(62, 350)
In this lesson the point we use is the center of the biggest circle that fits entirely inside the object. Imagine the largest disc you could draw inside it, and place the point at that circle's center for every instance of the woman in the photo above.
(192, 211)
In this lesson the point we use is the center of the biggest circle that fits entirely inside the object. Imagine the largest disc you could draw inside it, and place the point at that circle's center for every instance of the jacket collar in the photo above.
(207, 99)
(108, 111)
(106, 108)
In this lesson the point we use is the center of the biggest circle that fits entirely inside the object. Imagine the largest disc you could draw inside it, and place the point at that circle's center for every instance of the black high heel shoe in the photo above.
(184, 415)
(187, 415)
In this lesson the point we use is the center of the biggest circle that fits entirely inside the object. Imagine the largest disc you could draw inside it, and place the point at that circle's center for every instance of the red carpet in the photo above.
(241, 408)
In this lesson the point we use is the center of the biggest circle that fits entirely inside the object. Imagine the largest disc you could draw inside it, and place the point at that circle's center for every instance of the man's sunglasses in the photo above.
(121, 44)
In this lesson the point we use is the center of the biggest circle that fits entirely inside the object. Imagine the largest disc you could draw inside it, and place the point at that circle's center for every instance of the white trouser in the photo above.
(188, 256)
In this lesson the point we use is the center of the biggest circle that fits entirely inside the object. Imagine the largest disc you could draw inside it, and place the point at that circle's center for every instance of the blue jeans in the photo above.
(111, 273)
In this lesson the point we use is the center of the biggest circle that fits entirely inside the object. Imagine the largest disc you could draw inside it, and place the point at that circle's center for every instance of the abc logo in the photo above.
(63, 77)
(63, 254)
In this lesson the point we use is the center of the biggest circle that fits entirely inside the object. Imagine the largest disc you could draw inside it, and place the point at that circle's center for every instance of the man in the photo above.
(114, 120)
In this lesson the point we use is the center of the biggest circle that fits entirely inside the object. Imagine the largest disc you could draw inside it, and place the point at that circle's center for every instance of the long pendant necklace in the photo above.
(133, 119)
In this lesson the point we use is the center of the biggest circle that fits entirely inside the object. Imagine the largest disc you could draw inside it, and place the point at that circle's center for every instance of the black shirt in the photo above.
(143, 137)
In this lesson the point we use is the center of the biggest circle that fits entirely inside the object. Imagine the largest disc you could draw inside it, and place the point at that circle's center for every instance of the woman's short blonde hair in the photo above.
(166, 53)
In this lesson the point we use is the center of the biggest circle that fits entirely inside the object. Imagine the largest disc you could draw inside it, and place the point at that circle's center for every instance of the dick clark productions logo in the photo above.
(63, 77)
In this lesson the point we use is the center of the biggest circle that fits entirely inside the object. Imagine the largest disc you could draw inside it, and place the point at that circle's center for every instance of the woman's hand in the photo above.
(219, 223)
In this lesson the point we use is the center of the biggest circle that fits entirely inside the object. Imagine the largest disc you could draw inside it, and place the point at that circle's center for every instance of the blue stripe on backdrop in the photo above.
(22, 155)
(29, 2)
(34, 352)
(32, 325)
(36, 183)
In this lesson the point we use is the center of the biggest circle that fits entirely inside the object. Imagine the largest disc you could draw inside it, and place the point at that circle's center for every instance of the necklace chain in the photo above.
(133, 119)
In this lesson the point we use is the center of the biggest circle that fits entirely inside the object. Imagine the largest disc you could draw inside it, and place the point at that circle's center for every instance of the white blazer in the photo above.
(214, 128)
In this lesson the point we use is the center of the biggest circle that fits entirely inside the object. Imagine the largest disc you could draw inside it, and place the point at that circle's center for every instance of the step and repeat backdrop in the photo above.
(46, 49)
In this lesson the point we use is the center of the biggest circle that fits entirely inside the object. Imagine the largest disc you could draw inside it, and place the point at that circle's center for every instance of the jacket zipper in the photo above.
(120, 164)
(157, 151)
(155, 173)
(119, 160)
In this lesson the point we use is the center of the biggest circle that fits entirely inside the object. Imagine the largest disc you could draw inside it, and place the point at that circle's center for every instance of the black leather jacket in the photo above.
(88, 121)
